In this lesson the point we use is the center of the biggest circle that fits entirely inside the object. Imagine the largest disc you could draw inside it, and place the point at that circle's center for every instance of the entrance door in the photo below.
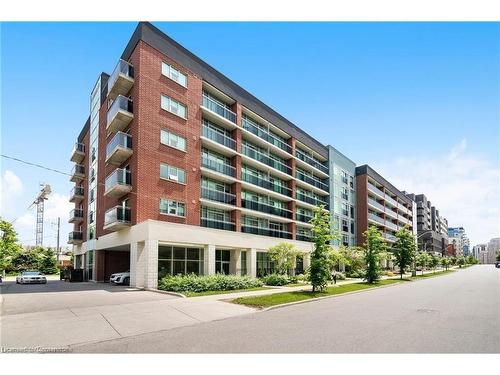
(222, 260)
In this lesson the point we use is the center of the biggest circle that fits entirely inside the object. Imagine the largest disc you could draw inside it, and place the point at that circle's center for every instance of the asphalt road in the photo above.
(455, 313)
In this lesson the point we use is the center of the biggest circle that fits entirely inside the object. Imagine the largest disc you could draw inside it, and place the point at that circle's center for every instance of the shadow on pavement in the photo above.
(57, 286)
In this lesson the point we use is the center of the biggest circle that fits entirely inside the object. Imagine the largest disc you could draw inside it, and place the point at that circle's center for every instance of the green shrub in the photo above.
(275, 279)
(355, 274)
(196, 283)
(301, 277)
(340, 276)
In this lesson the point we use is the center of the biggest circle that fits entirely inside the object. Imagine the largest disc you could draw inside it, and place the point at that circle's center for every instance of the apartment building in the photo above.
(343, 197)
(380, 204)
(178, 169)
(480, 252)
(432, 228)
(492, 249)
(458, 238)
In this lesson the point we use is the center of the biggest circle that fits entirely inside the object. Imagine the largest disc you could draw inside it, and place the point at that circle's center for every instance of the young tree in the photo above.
(375, 244)
(453, 261)
(471, 259)
(352, 258)
(284, 255)
(423, 260)
(403, 250)
(445, 262)
(319, 271)
(9, 247)
(434, 261)
(461, 262)
(48, 261)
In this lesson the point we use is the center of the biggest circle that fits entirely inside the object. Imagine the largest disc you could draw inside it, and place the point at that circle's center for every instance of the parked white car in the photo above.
(31, 277)
(120, 278)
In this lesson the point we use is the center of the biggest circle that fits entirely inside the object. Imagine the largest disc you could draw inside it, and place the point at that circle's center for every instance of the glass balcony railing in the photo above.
(218, 196)
(76, 193)
(376, 218)
(117, 215)
(309, 160)
(374, 203)
(311, 181)
(303, 218)
(217, 224)
(265, 231)
(119, 177)
(120, 113)
(268, 137)
(303, 237)
(393, 226)
(375, 189)
(75, 237)
(216, 107)
(120, 140)
(78, 152)
(223, 168)
(266, 184)
(78, 169)
(390, 237)
(218, 137)
(390, 213)
(311, 200)
(391, 201)
(122, 78)
(266, 208)
(75, 215)
(266, 159)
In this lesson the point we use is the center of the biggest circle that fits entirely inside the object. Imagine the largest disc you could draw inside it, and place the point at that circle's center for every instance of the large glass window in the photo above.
(173, 106)
(173, 260)
(169, 172)
(169, 207)
(174, 74)
(222, 261)
(264, 264)
(243, 263)
(173, 140)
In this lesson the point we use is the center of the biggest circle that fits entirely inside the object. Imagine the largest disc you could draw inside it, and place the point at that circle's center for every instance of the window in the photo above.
(264, 264)
(345, 227)
(169, 207)
(243, 263)
(351, 181)
(173, 260)
(222, 261)
(345, 240)
(345, 193)
(344, 177)
(173, 140)
(345, 209)
(168, 172)
(173, 106)
(174, 74)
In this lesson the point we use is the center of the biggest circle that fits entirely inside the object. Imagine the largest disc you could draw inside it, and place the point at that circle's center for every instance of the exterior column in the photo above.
(151, 264)
(137, 264)
(209, 260)
(235, 264)
(252, 262)
(307, 260)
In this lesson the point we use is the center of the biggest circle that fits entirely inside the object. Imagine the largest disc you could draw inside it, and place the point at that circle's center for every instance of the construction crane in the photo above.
(39, 202)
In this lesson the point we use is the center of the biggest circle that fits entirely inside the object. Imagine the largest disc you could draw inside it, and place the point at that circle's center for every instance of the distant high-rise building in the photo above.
(493, 247)
(458, 238)
(480, 252)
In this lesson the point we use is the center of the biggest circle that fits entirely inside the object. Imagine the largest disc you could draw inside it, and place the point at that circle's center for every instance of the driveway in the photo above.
(59, 314)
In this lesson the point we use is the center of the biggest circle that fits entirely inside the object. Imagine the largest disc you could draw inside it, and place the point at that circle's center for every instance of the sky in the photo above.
(419, 102)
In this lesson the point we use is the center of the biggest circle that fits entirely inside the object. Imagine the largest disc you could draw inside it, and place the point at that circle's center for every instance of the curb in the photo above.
(165, 292)
(325, 297)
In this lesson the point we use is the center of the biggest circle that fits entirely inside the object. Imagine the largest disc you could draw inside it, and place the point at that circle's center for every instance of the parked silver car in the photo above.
(31, 277)
(120, 278)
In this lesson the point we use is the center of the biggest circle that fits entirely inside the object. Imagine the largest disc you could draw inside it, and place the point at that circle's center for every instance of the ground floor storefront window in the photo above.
(222, 260)
(174, 260)
(243, 263)
(264, 265)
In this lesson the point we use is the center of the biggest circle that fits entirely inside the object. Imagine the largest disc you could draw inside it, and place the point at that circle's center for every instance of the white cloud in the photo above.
(464, 187)
(11, 187)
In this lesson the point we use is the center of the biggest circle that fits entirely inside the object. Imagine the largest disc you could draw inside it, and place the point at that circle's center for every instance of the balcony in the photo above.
(120, 114)
(312, 181)
(223, 168)
(220, 138)
(118, 183)
(119, 148)
(266, 231)
(376, 218)
(76, 215)
(76, 194)
(391, 201)
(390, 237)
(311, 200)
(77, 173)
(376, 205)
(266, 208)
(266, 159)
(121, 80)
(217, 224)
(117, 218)
(376, 190)
(218, 196)
(266, 136)
(303, 218)
(390, 213)
(390, 225)
(266, 184)
(75, 237)
(304, 237)
(218, 109)
(310, 161)
(78, 153)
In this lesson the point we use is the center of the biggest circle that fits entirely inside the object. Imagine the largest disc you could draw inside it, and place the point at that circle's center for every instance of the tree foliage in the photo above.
(284, 255)
(319, 271)
(374, 246)
(9, 247)
(404, 250)
(34, 258)
(445, 262)
(498, 255)
(423, 260)
(461, 261)
(352, 258)
(434, 261)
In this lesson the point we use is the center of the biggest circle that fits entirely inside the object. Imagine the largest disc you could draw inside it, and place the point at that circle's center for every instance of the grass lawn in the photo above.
(212, 292)
(287, 297)
(297, 284)
(425, 275)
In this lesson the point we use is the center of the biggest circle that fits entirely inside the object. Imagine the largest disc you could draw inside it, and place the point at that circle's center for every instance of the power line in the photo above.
(35, 165)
